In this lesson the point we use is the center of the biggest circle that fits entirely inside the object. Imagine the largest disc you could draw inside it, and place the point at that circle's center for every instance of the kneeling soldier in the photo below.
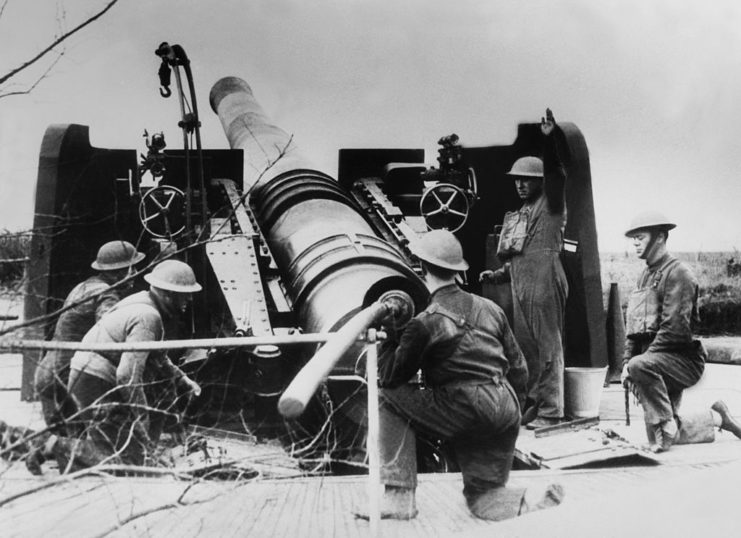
(661, 356)
(109, 387)
(83, 307)
(475, 378)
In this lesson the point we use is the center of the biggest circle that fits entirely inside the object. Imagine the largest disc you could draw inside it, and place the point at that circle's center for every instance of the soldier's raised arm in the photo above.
(554, 172)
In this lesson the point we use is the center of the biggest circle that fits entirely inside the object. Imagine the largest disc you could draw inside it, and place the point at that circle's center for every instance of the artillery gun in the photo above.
(285, 249)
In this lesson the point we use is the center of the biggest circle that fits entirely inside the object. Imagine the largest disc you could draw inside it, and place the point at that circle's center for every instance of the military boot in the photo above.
(543, 422)
(728, 423)
(40, 451)
(13, 444)
(528, 415)
(535, 499)
(665, 434)
(396, 503)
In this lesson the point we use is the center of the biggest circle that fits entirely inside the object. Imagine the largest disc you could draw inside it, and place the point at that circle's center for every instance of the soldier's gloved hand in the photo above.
(392, 334)
(486, 275)
(625, 377)
(193, 388)
(496, 277)
(548, 123)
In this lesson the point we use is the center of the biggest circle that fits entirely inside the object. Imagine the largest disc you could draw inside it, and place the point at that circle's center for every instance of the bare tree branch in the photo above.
(38, 80)
(57, 41)
(144, 513)
(52, 483)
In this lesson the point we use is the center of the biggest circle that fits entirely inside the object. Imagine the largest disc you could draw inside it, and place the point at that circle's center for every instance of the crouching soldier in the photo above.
(83, 307)
(475, 377)
(661, 356)
(109, 387)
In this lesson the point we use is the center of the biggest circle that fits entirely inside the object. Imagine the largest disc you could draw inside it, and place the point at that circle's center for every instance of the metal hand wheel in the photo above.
(162, 211)
(444, 206)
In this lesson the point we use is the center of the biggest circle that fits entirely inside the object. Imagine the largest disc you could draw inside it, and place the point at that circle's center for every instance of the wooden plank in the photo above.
(615, 454)
(558, 446)
(579, 448)
(572, 425)
(305, 507)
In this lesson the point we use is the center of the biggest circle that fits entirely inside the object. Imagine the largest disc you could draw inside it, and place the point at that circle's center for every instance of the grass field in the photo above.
(14, 248)
(720, 293)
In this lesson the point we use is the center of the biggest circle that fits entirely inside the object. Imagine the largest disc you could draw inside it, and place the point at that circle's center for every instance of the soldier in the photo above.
(109, 387)
(661, 356)
(530, 245)
(85, 305)
(475, 377)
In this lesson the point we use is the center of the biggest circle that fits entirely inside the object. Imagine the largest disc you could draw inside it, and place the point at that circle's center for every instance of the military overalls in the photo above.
(662, 356)
(531, 245)
(474, 377)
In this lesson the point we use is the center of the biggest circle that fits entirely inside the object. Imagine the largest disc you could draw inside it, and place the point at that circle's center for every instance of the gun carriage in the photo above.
(283, 248)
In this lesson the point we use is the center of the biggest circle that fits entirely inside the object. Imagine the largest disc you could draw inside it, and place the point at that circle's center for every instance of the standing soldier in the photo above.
(475, 378)
(530, 245)
(109, 387)
(83, 307)
(661, 356)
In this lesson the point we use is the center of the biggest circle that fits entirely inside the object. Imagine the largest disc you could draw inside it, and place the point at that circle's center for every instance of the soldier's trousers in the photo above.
(659, 379)
(538, 306)
(50, 383)
(480, 421)
(106, 429)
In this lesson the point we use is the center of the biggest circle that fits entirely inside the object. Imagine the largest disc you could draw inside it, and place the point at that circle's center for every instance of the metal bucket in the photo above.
(583, 391)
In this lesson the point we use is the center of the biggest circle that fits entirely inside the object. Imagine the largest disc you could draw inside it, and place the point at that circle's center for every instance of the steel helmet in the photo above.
(173, 275)
(116, 255)
(440, 248)
(527, 167)
(649, 220)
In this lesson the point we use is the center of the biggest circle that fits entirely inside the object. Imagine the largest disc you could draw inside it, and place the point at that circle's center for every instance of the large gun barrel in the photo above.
(331, 260)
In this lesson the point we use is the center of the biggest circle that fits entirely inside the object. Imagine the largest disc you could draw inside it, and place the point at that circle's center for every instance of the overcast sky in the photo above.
(655, 87)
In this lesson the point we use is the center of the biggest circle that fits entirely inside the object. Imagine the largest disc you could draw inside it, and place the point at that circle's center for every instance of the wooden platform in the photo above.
(607, 501)
(691, 490)
(321, 507)
(592, 447)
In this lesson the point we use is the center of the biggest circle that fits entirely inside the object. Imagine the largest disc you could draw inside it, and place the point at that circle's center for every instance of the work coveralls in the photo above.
(52, 373)
(474, 379)
(539, 286)
(110, 388)
(662, 356)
